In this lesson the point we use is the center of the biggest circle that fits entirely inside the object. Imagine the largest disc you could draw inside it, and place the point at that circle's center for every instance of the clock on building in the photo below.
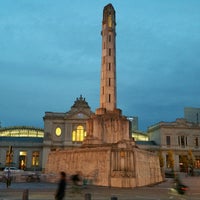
(58, 131)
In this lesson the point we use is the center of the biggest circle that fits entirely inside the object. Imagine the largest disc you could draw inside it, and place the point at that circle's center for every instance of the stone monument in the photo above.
(108, 155)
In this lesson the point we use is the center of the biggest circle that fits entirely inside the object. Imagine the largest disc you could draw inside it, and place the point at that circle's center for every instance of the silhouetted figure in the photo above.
(179, 186)
(76, 179)
(8, 178)
(60, 193)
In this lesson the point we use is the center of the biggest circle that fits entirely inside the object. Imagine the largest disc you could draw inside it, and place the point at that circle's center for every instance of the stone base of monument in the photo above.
(114, 165)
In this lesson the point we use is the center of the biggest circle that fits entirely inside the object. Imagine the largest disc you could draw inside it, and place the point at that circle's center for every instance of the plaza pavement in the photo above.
(44, 191)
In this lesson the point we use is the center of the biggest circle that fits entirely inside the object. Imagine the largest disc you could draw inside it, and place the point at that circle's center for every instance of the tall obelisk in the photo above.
(108, 125)
(108, 61)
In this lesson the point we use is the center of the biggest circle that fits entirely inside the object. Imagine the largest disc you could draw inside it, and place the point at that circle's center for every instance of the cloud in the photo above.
(51, 53)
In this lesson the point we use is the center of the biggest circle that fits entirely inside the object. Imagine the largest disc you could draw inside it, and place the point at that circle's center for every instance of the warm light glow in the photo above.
(58, 131)
(22, 153)
(79, 134)
(140, 137)
(21, 133)
(35, 158)
(109, 20)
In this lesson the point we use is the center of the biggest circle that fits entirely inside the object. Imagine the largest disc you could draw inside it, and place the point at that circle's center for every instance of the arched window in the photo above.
(79, 134)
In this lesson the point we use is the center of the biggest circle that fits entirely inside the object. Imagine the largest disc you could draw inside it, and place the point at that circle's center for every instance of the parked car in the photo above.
(12, 169)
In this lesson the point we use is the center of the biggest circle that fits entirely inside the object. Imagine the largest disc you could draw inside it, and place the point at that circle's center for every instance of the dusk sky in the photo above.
(51, 54)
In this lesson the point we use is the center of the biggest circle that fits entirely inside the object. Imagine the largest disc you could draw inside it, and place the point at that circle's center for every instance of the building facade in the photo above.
(179, 140)
(21, 147)
(65, 130)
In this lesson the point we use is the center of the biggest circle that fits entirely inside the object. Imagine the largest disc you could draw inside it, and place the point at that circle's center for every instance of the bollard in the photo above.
(25, 194)
(113, 198)
(88, 196)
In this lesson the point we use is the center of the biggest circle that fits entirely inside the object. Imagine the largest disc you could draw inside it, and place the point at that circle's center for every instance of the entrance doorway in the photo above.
(22, 159)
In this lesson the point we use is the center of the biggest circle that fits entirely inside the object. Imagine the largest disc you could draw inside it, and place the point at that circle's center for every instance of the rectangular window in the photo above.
(109, 52)
(197, 162)
(109, 38)
(35, 158)
(109, 98)
(109, 66)
(182, 141)
(168, 140)
(196, 142)
(109, 82)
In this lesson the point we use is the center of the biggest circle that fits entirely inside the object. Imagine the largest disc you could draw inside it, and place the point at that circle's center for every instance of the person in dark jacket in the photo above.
(60, 193)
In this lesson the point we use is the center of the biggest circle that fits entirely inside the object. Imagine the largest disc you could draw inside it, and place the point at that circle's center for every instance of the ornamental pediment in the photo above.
(182, 123)
(78, 115)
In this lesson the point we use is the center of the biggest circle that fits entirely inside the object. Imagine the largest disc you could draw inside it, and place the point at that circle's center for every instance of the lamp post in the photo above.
(10, 151)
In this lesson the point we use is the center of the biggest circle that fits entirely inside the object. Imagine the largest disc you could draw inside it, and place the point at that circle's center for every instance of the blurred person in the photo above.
(8, 178)
(77, 179)
(60, 193)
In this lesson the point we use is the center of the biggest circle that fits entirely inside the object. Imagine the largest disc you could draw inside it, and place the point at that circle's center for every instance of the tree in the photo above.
(191, 162)
(161, 159)
(170, 160)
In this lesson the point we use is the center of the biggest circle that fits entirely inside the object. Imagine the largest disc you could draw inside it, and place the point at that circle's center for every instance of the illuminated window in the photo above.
(197, 162)
(110, 20)
(35, 158)
(22, 133)
(79, 134)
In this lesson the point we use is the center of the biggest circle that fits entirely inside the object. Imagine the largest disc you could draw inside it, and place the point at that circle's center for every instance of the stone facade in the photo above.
(107, 127)
(114, 165)
(180, 137)
(68, 123)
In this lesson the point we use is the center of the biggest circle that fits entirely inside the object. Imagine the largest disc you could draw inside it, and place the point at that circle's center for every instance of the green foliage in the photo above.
(161, 159)
(191, 160)
(171, 160)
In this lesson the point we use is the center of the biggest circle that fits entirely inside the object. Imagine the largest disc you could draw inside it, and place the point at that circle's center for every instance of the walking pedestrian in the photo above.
(8, 178)
(60, 193)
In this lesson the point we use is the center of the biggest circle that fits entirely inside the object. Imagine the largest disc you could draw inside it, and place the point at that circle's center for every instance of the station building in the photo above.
(28, 147)
(22, 147)
(179, 140)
